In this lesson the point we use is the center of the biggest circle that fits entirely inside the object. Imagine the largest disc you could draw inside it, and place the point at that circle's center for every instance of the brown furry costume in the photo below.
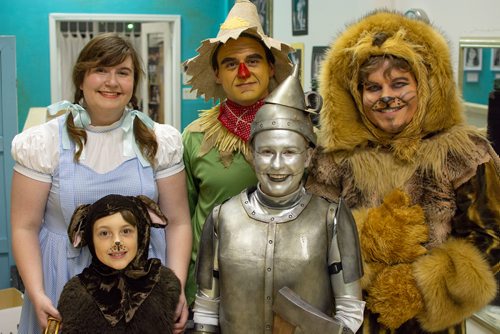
(427, 199)
(141, 298)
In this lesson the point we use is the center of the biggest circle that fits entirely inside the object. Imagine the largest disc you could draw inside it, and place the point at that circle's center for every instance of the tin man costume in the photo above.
(296, 254)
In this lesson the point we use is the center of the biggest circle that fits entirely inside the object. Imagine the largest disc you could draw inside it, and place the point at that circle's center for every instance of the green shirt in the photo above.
(209, 183)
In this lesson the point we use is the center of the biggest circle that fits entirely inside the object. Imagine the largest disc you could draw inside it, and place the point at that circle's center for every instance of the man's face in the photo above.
(390, 101)
(243, 70)
(115, 241)
(280, 157)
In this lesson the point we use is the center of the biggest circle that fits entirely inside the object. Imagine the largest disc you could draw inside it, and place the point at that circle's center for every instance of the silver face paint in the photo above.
(280, 158)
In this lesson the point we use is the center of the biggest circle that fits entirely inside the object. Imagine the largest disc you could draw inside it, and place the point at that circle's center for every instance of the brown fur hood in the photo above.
(344, 127)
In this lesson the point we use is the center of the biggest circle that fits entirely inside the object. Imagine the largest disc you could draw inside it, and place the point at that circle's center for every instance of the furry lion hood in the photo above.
(343, 125)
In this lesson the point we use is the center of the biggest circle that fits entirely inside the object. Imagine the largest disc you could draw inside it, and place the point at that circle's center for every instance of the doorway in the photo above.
(155, 37)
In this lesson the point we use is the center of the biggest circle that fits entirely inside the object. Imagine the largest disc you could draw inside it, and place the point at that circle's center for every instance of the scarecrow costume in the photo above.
(141, 298)
(216, 153)
(426, 200)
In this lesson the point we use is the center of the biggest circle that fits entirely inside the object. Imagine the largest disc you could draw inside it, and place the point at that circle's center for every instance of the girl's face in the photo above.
(107, 91)
(115, 241)
(390, 101)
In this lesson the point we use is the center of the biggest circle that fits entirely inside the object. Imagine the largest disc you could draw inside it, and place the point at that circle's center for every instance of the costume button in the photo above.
(268, 269)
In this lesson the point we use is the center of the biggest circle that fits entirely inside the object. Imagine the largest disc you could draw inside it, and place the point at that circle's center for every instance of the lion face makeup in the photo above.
(390, 98)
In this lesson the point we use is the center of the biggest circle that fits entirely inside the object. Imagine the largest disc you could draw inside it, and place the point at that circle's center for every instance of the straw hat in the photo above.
(242, 18)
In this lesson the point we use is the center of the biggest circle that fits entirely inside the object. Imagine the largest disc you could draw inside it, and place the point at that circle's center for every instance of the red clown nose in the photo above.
(243, 71)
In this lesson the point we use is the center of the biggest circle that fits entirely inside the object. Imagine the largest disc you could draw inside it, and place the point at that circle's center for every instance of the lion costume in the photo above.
(426, 200)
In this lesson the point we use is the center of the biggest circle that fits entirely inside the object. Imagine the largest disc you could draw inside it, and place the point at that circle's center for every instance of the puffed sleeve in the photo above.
(170, 150)
(36, 151)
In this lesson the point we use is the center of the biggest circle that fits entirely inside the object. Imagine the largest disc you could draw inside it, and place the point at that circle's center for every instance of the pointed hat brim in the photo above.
(242, 18)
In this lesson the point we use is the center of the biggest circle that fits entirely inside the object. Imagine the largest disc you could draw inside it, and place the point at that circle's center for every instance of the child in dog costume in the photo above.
(122, 291)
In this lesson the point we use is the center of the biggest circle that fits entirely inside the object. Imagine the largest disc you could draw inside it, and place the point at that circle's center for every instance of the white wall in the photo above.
(455, 18)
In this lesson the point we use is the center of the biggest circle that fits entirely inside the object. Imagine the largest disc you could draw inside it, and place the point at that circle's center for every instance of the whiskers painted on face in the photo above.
(393, 102)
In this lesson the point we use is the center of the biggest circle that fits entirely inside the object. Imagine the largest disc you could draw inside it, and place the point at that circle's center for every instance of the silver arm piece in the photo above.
(206, 305)
(346, 269)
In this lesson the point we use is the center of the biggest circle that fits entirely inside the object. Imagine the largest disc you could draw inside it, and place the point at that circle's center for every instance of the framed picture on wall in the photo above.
(473, 58)
(265, 10)
(495, 59)
(299, 17)
(297, 57)
(318, 54)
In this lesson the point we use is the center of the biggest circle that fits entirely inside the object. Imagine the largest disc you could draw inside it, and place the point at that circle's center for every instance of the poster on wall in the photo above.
(318, 54)
(473, 59)
(297, 57)
(495, 59)
(299, 17)
(265, 11)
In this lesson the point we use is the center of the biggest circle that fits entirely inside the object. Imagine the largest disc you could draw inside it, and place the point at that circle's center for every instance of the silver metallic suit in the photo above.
(276, 243)
(257, 243)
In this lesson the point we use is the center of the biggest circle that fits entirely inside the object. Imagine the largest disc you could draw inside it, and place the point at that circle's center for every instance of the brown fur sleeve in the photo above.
(455, 281)
(395, 231)
(394, 296)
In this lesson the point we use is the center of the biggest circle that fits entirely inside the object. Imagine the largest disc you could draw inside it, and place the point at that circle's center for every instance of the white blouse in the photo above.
(36, 150)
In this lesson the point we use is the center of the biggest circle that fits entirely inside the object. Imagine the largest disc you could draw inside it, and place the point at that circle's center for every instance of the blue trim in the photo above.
(8, 129)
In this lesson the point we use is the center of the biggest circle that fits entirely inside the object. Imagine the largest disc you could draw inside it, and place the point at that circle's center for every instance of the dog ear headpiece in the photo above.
(146, 212)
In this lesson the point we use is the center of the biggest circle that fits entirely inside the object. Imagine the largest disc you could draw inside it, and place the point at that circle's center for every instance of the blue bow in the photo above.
(81, 119)
(129, 143)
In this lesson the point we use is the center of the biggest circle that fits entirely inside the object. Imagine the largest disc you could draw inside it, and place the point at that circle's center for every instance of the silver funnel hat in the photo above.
(287, 108)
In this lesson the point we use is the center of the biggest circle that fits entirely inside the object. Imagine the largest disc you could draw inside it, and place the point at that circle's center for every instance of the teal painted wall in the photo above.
(478, 92)
(28, 20)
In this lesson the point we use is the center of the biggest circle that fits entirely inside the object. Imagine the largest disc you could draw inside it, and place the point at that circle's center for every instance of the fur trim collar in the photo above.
(343, 125)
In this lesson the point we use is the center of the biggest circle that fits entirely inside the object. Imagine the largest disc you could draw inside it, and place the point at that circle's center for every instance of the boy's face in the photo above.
(115, 241)
(243, 70)
(280, 157)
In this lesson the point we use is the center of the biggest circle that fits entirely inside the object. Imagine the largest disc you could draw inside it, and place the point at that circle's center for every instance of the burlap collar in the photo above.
(217, 136)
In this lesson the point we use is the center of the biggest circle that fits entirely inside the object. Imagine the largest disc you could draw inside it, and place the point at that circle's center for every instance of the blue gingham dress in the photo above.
(78, 184)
